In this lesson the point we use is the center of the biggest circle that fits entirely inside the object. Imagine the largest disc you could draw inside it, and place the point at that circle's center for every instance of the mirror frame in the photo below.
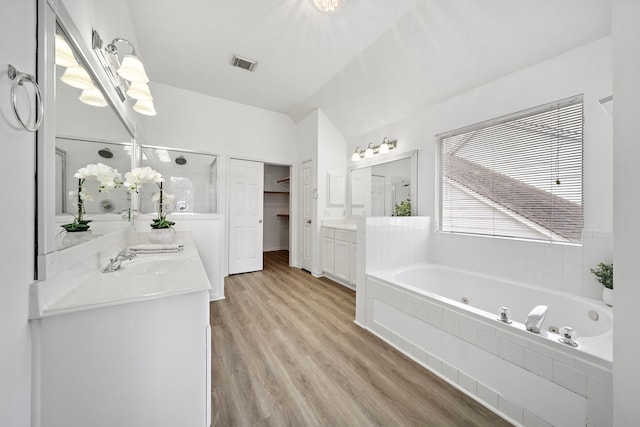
(390, 157)
(50, 14)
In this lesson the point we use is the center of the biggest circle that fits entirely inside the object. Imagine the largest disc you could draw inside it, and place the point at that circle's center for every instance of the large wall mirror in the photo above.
(385, 186)
(88, 131)
(85, 123)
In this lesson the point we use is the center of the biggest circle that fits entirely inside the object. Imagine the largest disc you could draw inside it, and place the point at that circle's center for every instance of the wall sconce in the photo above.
(373, 150)
(127, 74)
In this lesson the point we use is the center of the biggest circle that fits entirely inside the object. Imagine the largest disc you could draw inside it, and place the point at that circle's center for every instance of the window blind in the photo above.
(515, 176)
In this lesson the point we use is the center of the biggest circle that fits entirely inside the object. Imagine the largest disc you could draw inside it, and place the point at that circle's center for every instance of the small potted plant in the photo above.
(161, 228)
(108, 178)
(403, 208)
(604, 275)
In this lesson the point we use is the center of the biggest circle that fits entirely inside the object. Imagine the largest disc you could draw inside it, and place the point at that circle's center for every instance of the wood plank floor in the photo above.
(287, 353)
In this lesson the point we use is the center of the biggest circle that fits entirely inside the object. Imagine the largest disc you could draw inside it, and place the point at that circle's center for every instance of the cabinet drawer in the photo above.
(328, 232)
(343, 235)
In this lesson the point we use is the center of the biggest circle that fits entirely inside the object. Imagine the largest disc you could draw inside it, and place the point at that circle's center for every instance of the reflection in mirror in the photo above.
(191, 178)
(382, 190)
(88, 131)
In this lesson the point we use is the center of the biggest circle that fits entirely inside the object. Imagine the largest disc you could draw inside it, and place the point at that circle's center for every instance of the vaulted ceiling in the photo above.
(371, 63)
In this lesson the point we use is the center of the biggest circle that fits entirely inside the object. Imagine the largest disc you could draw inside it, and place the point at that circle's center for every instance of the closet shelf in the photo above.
(284, 215)
(276, 192)
(283, 180)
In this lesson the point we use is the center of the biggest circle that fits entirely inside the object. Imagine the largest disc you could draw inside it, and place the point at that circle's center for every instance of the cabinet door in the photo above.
(353, 262)
(327, 255)
(342, 260)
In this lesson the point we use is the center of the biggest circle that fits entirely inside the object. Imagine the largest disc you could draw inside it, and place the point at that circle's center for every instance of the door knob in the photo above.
(259, 221)
(308, 221)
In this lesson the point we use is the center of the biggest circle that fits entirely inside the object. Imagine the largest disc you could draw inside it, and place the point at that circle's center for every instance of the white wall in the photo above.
(18, 47)
(320, 141)
(626, 92)
(584, 70)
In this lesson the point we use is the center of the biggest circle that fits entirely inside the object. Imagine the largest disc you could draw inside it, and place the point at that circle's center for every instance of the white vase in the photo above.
(607, 296)
(162, 235)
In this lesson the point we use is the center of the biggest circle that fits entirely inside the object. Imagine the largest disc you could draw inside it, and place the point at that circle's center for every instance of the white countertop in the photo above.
(341, 224)
(147, 277)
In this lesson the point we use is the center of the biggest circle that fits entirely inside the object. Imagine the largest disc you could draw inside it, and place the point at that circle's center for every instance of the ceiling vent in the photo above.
(244, 63)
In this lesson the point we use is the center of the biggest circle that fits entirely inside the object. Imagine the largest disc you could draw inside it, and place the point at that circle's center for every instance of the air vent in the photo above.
(244, 63)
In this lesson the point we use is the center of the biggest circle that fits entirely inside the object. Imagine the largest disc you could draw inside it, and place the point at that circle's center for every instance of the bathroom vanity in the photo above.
(126, 348)
(339, 249)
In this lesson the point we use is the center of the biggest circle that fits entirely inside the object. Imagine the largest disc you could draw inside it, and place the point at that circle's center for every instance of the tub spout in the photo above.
(535, 318)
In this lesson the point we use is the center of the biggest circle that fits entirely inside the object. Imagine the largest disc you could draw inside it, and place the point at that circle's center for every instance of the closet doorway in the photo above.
(276, 208)
(259, 203)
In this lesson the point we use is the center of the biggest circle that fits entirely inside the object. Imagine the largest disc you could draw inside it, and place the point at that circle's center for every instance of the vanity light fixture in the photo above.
(328, 5)
(372, 150)
(77, 77)
(93, 97)
(126, 72)
(64, 54)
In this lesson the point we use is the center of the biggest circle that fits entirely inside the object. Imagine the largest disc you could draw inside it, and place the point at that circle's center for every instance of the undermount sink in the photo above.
(150, 266)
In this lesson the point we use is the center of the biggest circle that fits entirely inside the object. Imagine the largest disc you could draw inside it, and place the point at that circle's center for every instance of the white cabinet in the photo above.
(328, 256)
(339, 255)
(128, 365)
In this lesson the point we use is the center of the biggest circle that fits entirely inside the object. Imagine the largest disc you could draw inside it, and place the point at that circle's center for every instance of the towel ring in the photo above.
(18, 80)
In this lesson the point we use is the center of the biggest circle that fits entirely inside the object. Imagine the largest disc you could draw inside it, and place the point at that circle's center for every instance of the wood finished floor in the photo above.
(287, 353)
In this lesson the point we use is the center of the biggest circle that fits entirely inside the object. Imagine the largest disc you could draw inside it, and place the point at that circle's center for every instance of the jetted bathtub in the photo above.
(447, 319)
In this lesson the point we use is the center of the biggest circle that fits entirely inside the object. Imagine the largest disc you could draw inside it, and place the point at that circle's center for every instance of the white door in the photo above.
(377, 195)
(307, 209)
(246, 184)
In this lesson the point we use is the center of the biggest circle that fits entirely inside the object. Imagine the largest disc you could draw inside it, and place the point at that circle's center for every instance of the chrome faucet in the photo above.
(535, 318)
(505, 315)
(114, 263)
(568, 336)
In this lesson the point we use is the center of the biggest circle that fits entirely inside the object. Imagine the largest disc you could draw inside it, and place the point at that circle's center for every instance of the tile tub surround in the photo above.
(393, 242)
(528, 381)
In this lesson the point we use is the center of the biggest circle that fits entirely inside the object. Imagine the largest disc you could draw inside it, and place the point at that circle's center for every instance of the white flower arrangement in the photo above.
(108, 178)
(137, 177)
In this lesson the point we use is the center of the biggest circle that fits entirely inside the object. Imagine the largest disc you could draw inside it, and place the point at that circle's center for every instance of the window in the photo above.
(515, 176)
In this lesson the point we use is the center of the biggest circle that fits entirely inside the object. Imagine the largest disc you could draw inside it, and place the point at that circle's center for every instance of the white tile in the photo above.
(487, 395)
(488, 342)
(434, 362)
(532, 420)
(421, 355)
(538, 364)
(570, 378)
(552, 353)
(515, 339)
(511, 352)
(510, 409)
(451, 322)
(482, 325)
(450, 372)
(434, 316)
(597, 372)
(600, 391)
(598, 415)
(469, 333)
(467, 383)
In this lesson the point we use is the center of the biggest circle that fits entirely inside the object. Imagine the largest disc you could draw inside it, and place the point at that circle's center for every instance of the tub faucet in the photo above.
(114, 263)
(535, 318)
(505, 315)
